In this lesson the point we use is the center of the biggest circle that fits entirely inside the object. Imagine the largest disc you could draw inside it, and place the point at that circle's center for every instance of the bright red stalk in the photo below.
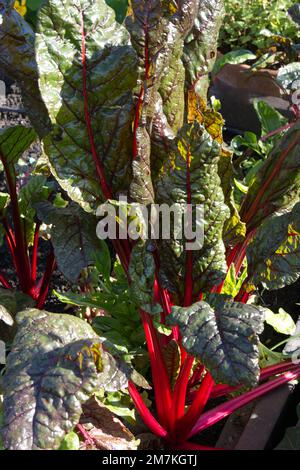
(144, 412)
(196, 408)
(221, 389)
(20, 253)
(222, 411)
(180, 389)
(161, 383)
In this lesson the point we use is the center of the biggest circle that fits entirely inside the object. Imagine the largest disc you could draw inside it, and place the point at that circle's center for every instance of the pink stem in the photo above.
(222, 411)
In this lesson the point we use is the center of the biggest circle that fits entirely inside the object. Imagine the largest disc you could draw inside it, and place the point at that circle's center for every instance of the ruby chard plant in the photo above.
(121, 110)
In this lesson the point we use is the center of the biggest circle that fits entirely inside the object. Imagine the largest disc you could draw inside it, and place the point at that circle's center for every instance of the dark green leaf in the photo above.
(120, 7)
(73, 235)
(157, 32)
(294, 12)
(274, 254)
(142, 274)
(276, 186)
(53, 368)
(224, 336)
(17, 59)
(201, 178)
(13, 143)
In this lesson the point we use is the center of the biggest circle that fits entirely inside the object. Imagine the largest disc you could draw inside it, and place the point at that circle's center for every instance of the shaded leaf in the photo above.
(291, 440)
(13, 143)
(276, 185)
(11, 302)
(142, 274)
(17, 59)
(224, 336)
(234, 228)
(73, 235)
(294, 12)
(172, 359)
(120, 7)
(274, 254)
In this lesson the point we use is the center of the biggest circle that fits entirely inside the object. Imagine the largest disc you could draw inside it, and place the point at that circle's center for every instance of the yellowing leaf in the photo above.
(20, 6)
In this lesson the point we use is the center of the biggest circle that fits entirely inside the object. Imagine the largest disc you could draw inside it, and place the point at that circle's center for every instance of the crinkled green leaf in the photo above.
(157, 32)
(73, 147)
(17, 59)
(200, 178)
(276, 185)
(288, 74)
(274, 254)
(36, 190)
(224, 336)
(52, 370)
(73, 235)
(142, 274)
(200, 51)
